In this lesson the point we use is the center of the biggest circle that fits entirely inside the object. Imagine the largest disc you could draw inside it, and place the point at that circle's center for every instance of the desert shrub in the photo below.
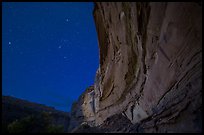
(34, 124)
(55, 129)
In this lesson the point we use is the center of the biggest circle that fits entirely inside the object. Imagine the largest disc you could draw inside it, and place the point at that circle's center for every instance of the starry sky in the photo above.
(49, 51)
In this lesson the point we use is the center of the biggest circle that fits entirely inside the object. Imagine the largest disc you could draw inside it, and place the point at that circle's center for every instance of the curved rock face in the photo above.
(150, 65)
(83, 110)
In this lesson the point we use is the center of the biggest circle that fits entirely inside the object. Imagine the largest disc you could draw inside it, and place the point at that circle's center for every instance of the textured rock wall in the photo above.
(150, 65)
(83, 110)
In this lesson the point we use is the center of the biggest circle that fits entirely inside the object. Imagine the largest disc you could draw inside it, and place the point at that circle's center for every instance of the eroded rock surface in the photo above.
(82, 110)
(150, 66)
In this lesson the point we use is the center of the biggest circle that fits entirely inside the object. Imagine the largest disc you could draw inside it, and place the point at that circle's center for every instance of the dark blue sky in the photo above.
(49, 51)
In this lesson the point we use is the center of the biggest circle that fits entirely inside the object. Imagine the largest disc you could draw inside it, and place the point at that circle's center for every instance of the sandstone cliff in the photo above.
(150, 66)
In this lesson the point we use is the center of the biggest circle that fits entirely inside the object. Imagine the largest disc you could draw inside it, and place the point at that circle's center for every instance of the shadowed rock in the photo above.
(150, 66)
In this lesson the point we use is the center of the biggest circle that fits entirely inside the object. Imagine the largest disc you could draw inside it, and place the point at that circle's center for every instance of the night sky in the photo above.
(49, 51)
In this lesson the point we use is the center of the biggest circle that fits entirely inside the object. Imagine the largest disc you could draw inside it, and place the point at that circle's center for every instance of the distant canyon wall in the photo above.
(150, 66)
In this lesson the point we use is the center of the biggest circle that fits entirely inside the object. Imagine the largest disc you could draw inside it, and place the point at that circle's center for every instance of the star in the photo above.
(60, 47)
(67, 20)
(9, 43)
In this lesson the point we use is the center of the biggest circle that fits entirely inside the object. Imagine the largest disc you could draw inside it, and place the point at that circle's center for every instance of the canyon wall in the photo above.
(150, 65)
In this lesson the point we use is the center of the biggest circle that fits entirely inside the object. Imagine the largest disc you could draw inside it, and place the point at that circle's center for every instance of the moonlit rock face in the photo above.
(157, 74)
(122, 14)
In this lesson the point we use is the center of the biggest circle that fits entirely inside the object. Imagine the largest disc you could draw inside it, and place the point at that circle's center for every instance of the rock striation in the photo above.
(150, 66)
(83, 110)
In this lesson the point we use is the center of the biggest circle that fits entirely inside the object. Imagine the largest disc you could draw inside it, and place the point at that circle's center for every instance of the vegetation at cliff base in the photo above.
(35, 124)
